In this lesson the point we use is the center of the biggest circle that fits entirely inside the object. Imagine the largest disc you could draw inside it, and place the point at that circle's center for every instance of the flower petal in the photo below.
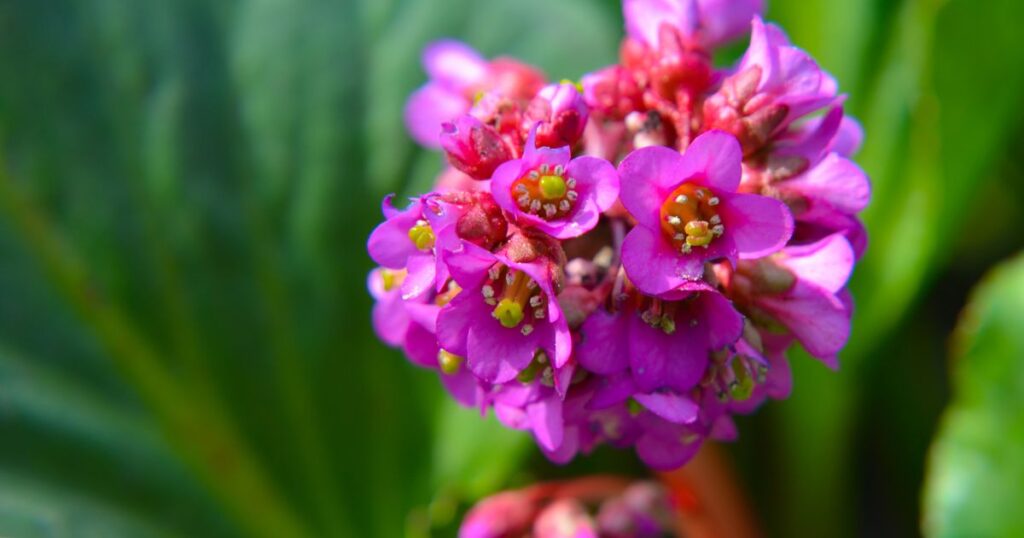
(454, 64)
(429, 107)
(497, 354)
(836, 181)
(646, 177)
(827, 263)
(758, 225)
(420, 278)
(389, 244)
(546, 421)
(660, 360)
(717, 156)
(603, 348)
(596, 179)
(653, 266)
(816, 317)
(673, 407)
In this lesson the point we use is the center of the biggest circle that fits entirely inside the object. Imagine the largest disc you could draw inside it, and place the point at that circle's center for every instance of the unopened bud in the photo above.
(561, 113)
(473, 147)
(565, 518)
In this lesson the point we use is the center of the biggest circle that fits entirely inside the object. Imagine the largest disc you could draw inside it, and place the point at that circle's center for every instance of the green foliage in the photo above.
(975, 467)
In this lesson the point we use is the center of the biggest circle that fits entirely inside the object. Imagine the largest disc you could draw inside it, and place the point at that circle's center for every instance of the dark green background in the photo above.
(185, 192)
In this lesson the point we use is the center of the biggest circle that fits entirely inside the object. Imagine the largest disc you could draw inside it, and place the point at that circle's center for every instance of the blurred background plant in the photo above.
(186, 188)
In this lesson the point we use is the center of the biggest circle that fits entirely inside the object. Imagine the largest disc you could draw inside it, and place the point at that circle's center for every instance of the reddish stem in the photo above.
(710, 501)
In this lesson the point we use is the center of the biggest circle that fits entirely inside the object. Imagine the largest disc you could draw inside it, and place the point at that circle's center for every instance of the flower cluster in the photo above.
(625, 260)
(589, 507)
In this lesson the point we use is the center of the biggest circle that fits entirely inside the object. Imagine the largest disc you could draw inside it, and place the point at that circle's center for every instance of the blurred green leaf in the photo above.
(975, 469)
(475, 455)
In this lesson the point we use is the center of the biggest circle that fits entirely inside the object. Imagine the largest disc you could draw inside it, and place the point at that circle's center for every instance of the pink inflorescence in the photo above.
(625, 260)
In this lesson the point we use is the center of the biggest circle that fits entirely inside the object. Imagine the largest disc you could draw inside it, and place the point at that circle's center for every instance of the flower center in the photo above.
(545, 192)
(517, 299)
(422, 235)
(689, 218)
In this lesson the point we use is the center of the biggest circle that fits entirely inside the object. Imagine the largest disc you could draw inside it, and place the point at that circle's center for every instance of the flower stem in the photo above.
(710, 501)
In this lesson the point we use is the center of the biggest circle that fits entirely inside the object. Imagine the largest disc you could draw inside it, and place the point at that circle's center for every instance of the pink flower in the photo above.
(707, 22)
(665, 344)
(406, 241)
(800, 289)
(774, 84)
(506, 316)
(688, 213)
(547, 191)
(457, 73)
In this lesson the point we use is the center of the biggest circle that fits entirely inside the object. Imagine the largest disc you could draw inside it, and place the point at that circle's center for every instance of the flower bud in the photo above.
(612, 91)
(482, 223)
(504, 515)
(561, 113)
(473, 147)
(565, 518)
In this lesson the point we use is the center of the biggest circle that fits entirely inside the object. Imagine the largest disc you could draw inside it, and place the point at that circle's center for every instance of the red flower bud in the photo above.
(473, 147)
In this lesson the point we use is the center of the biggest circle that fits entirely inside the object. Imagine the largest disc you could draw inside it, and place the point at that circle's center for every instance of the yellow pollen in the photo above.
(448, 362)
(509, 313)
(552, 187)
(422, 235)
(388, 279)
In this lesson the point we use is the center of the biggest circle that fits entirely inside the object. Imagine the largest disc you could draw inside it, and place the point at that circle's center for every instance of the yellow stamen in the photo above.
(448, 362)
(422, 235)
(509, 313)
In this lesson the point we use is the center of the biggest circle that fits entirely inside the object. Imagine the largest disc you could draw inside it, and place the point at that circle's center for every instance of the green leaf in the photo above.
(975, 469)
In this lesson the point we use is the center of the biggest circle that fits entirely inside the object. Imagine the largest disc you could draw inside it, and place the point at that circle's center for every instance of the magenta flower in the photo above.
(506, 317)
(391, 322)
(665, 344)
(787, 74)
(799, 289)
(642, 306)
(406, 241)
(561, 197)
(774, 84)
(688, 213)
(706, 22)
(457, 73)
(422, 348)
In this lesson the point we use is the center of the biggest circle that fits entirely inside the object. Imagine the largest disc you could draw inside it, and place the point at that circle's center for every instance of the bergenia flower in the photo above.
(457, 74)
(798, 291)
(550, 191)
(627, 266)
(406, 241)
(588, 507)
(665, 344)
(707, 22)
(774, 84)
(688, 213)
(506, 317)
